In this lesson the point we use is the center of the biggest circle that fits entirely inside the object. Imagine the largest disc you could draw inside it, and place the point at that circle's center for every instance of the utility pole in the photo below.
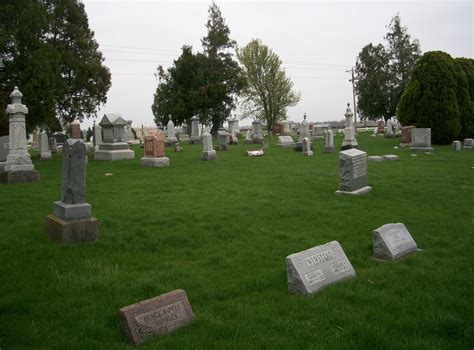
(353, 97)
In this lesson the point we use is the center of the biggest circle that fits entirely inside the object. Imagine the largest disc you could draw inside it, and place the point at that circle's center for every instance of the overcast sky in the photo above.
(317, 41)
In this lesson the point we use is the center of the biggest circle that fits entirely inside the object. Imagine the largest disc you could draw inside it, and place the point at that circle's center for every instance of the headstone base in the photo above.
(308, 154)
(67, 211)
(329, 149)
(45, 155)
(286, 145)
(114, 155)
(14, 177)
(348, 146)
(375, 158)
(426, 149)
(209, 155)
(390, 157)
(71, 231)
(357, 192)
(150, 162)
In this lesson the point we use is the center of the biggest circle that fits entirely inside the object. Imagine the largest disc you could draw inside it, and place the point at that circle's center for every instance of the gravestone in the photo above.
(53, 145)
(114, 145)
(71, 221)
(34, 143)
(257, 133)
(349, 133)
(208, 152)
(257, 153)
(18, 167)
(311, 270)
(233, 139)
(286, 127)
(75, 130)
(376, 159)
(248, 137)
(43, 146)
(319, 130)
(97, 136)
(353, 172)
(405, 137)
(285, 142)
(195, 137)
(457, 145)
(154, 152)
(185, 128)
(223, 140)
(393, 241)
(389, 132)
(4, 148)
(157, 316)
(170, 133)
(329, 142)
(390, 157)
(380, 127)
(468, 144)
(277, 129)
(307, 147)
(304, 130)
(421, 139)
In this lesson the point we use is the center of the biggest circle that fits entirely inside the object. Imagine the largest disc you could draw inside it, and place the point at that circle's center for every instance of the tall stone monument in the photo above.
(71, 221)
(304, 132)
(43, 146)
(97, 136)
(208, 152)
(389, 133)
(114, 145)
(257, 133)
(353, 172)
(18, 167)
(329, 142)
(349, 134)
(155, 152)
(170, 133)
(421, 139)
(195, 137)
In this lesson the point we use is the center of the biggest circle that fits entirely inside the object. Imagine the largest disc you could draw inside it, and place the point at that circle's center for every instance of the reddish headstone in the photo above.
(155, 146)
(380, 127)
(157, 316)
(406, 134)
(277, 129)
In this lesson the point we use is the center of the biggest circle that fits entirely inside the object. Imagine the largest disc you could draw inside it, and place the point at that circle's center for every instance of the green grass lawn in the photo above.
(221, 230)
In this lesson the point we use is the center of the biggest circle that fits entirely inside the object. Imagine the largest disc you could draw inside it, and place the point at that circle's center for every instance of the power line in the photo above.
(139, 48)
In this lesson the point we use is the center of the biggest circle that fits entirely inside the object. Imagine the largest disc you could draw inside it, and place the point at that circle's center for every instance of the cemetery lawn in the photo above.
(221, 230)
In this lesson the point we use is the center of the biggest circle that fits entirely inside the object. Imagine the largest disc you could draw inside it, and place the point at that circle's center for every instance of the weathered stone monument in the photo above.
(286, 127)
(208, 152)
(353, 172)
(53, 145)
(349, 133)
(43, 146)
(170, 133)
(248, 137)
(303, 133)
(329, 142)
(257, 133)
(223, 140)
(154, 152)
(389, 133)
(18, 167)
(97, 130)
(311, 270)
(405, 137)
(233, 138)
(421, 139)
(468, 144)
(157, 316)
(393, 241)
(75, 130)
(114, 145)
(307, 147)
(285, 142)
(195, 137)
(71, 221)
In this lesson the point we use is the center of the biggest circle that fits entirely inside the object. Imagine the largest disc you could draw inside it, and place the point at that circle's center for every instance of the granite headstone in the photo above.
(393, 241)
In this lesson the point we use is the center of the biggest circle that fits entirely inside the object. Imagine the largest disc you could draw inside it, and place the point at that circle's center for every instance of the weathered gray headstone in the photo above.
(43, 146)
(157, 316)
(248, 137)
(311, 270)
(97, 136)
(329, 142)
(468, 144)
(195, 137)
(304, 130)
(53, 145)
(376, 159)
(389, 131)
(71, 221)
(353, 172)
(4, 148)
(393, 241)
(421, 139)
(307, 147)
(208, 152)
(257, 153)
(457, 145)
(286, 127)
(257, 133)
(170, 133)
(223, 140)
(390, 157)
(285, 142)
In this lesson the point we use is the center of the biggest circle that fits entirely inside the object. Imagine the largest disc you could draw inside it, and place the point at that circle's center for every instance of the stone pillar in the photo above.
(71, 221)
(97, 136)
(349, 135)
(329, 142)
(208, 152)
(44, 152)
(195, 138)
(18, 166)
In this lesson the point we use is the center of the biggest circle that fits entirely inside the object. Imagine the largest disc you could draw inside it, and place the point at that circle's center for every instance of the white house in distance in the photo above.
(114, 144)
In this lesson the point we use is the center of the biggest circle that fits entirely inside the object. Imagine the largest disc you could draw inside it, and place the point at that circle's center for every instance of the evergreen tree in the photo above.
(50, 53)
(430, 99)
(466, 66)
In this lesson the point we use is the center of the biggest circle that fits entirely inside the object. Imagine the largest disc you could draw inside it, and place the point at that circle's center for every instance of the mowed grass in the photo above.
(221, 230)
